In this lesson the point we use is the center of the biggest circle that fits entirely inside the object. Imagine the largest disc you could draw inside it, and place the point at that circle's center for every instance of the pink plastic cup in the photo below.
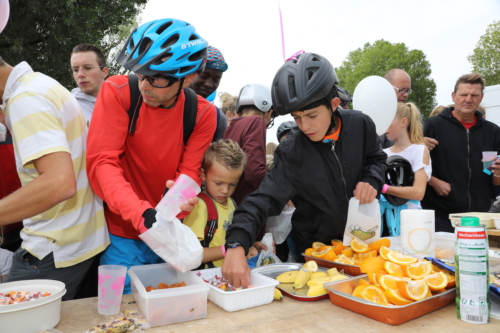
(488, 156)
(183, 189)
(110, 288)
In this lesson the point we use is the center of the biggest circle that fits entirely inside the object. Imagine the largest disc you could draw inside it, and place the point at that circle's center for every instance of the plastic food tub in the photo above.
(340, 295)
(168, 306)
(261, 292)
(485, 218)
(33, 316)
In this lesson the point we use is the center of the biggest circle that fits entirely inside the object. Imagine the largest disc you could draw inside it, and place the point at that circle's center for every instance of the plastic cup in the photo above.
(488, 156)
(183, 189)
(110, 288)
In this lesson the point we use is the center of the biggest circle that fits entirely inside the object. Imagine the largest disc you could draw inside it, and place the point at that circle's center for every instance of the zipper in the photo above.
(341, 171)
(470, 171)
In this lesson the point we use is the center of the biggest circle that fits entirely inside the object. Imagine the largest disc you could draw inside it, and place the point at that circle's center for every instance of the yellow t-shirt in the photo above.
(197, 221)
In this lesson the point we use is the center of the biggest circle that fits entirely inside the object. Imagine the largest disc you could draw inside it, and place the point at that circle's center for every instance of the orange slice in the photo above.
(400, 259)
(417, 270)
(357, 291)
(436, 281)
(330, 255)
(381, 242)
(451, 281)
(374, 294)
(348, 252)
(389, 281)
(384, 251)
(321, 252)
(364, 256)
(372, 265)
(393, 269)
(372, 277)
(339, 246)
(309, 251)
(364, 282)
(415, 290)
(317, 245)
(395, 297)
(359, 246)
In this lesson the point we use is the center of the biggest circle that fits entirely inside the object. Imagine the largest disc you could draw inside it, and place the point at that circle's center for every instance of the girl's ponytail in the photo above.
(415, 129)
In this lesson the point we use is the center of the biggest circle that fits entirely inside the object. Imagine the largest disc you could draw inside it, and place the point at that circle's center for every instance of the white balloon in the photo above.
(376, 97)
(4, 13)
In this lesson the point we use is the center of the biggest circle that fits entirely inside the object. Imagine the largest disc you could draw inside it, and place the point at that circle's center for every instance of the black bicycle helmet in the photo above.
(344, 96)
(165, 46)
(399, 173)
(301, 81)
(284, 128)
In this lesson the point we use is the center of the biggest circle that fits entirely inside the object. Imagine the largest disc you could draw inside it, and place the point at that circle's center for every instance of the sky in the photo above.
(248, 33)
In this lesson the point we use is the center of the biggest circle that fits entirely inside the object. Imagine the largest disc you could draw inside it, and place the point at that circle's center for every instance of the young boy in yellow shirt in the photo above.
(222, 167)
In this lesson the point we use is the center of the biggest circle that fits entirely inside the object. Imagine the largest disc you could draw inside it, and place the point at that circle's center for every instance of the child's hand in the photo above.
(260, 246)
(252, 252)
(191, 201)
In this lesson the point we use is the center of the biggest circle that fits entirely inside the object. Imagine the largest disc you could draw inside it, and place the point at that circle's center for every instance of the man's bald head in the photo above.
(399, 79)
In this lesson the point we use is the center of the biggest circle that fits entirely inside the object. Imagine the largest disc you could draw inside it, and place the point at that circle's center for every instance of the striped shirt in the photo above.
(44, 118)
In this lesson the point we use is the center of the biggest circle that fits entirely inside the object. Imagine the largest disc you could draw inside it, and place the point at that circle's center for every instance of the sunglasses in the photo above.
(158, 81)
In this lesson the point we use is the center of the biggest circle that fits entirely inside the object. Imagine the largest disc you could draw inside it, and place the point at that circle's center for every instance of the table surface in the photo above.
(286, 316)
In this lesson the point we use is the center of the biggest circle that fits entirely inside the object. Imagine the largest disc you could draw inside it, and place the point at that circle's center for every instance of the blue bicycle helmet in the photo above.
(166, 46)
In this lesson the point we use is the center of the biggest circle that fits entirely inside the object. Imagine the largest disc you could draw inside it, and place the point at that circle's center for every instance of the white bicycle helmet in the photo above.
(254, 94)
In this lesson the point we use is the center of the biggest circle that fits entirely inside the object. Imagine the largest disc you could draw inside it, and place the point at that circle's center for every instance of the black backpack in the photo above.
(190, 107)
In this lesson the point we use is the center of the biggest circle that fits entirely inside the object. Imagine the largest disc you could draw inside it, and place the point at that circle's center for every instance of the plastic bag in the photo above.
(171, 240)
(3, 133)
(175, 243)
(267, 257)
(281, 225)
(363, 222)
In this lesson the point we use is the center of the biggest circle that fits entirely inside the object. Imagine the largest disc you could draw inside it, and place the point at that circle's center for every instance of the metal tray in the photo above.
(273, 270)
(340, 295)
(351, 270)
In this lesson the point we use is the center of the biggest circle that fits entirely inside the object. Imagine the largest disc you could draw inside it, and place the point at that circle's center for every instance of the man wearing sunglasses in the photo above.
(129, 168)
(88, 68)
(401, 82)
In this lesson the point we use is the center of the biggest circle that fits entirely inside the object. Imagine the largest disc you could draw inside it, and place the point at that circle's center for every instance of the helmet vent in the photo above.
(186, 69)
(163, 59)
(193, 37)
(291, 87)
(132, 44)
(198, 55)
(145, 43)
(170, 41)
(310, 73)
(164, 27)
(315, 59)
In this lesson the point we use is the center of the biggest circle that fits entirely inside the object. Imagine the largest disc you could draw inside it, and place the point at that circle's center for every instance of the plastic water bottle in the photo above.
(471, 271)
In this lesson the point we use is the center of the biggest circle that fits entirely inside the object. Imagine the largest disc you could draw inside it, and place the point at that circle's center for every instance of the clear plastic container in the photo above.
(485, 218)
(168, 306)
(261, 292)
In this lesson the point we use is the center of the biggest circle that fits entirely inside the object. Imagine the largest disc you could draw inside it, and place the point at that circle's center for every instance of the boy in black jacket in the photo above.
(333, 156)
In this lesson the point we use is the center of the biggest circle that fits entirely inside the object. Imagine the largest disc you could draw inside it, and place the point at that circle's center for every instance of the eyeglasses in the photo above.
(158, 81)
(403, 91)
(85, 68)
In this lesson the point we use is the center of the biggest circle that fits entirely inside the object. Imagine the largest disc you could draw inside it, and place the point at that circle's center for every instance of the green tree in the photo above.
(43, 32)
(485, 58)
(381, 56)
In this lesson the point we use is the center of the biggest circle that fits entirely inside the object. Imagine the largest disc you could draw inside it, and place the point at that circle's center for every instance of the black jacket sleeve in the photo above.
(268, 200)
(376, 160)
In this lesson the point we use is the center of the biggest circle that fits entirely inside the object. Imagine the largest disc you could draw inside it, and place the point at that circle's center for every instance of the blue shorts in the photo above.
(128, 252)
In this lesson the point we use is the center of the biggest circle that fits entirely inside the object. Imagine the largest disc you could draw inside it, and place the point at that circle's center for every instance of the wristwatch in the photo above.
(233, 245)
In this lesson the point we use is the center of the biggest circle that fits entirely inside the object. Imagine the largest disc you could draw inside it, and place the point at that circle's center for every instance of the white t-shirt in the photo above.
(415, 155)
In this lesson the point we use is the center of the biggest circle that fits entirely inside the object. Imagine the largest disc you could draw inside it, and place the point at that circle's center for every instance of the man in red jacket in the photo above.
(129, 170)
(254, 107)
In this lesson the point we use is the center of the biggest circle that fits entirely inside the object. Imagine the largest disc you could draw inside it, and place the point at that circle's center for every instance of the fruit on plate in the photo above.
(372, 265)
(359, 246)
(277, 294)
(317, 275)
(417, 270)
(395, 297)
(400, 259)
(316, 290)
(332, 272)
(415, 290)
(305, 274)
(436, 281)
(374, 294)
(287, 277)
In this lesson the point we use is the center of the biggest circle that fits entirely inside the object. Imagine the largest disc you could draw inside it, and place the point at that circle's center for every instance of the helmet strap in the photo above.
(333, 123)
(176, 96)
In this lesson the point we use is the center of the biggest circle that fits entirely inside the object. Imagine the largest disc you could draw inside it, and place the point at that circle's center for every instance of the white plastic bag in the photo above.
(267, 257)
(175, 243)
(171, 240)
(3, 133)
(363, 222)
(281, 225)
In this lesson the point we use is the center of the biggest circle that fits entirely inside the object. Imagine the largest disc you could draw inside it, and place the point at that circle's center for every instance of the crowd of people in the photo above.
(94, 162)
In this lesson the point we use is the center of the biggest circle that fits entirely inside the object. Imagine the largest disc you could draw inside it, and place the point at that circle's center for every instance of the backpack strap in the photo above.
(211, 227)
(135, 102)
(190, 111)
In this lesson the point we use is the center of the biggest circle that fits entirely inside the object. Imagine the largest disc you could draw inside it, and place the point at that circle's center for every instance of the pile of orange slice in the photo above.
(397, 279)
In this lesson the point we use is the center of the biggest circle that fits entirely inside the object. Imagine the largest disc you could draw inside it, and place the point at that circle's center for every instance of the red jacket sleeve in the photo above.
(105, 143)
(254, 146)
